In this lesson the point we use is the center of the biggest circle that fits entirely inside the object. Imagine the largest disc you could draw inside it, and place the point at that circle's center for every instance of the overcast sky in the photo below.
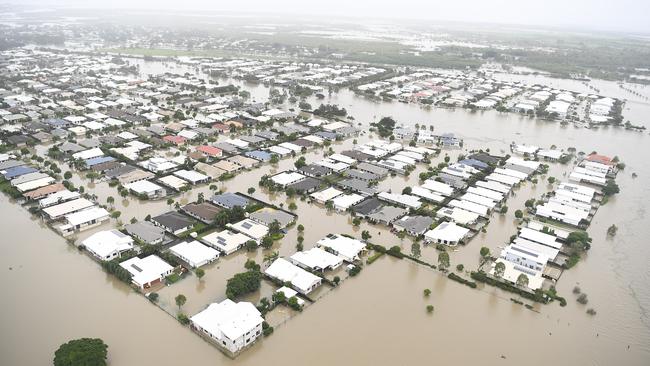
(619, 15)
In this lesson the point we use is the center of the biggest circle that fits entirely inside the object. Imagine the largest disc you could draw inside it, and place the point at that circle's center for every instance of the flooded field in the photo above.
(54, 293)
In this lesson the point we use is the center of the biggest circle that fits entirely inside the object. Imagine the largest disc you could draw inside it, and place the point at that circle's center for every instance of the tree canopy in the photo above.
(82, 352)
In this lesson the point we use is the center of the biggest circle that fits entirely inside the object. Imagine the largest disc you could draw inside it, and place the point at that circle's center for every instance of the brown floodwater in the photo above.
(52, 293)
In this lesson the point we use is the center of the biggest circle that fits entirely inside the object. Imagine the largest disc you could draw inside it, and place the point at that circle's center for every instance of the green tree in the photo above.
(110, 200)
(82, 352)
(611, 188)
(199, 272)
(499, 269)
(443, 260)
(336, 280)
(429, 308)
(427, 292)
(504, 209)
(250, 245)
(300, 228)
(485, 252)
(293, 206)
(243, 283)
(522, 280)
(180, 300)
(519, 214)
(416, 251)
(67, 175)
(551, 180)
(365, 235)
(271, 257)
(267, 242)
(153, 297)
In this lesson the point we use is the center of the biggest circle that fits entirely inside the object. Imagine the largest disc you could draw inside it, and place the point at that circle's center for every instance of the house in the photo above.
(306, 186)
(83, 220)
(230, 200)
(58, 198)
(316, 259)
(458, 215)
(226, 241)
(58, 211)
(107, 245)
(243, 162)
(386, 214)
(345, 201)
(44, 192)
(414, 225)
(289, 293)
(232, 326)
(446, 233)
(227, 166)
(192, 176)
(251, 229)
(367, 207)
(358, 186)
(512, 272)
(347, 248)
(203, 211)
(158, 165)
(210, 151)
(285, 178)
(146, 232)
(403, 200)
(326, 195)
(173, 222)
(315, 171)
(173, 182)
(194, 253)
(146, 188)
(285, 271)
(268, 215)
(147, 272)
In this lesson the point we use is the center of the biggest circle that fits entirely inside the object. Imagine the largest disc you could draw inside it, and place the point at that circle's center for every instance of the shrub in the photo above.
(457, 278)
(153, 297)
(582, 299)
(355, 271)
(183, 319)
(429, 308)
(427, 292)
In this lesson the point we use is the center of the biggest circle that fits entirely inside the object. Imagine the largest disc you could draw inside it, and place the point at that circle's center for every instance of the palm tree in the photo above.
(499, 269)
(522, 280)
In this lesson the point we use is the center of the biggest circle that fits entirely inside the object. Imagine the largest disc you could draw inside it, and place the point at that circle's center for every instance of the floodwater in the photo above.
(52, 293)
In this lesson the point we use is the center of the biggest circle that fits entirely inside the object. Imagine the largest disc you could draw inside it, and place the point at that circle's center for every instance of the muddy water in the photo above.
(53, 293)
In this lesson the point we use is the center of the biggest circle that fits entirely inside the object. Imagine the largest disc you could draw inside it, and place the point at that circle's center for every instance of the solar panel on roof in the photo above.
(136, 268)
(247, 225)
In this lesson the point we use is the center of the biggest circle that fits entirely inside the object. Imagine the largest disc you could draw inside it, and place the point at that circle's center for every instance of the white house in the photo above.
(145, 187)
(226, 241)
(316, 259)
(232, 326)
(83, 220)
(147, 271)
(446, 233)
(285, 271)
(347, 248)
(194, 253)
(107, 245)
(251, 229)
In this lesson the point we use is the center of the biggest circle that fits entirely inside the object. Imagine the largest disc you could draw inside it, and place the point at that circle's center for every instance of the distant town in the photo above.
(210, 160)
